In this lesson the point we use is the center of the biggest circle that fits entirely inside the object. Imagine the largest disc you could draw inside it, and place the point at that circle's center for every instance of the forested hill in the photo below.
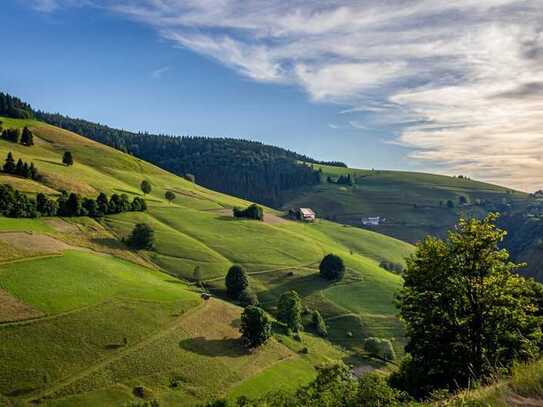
(247, 169)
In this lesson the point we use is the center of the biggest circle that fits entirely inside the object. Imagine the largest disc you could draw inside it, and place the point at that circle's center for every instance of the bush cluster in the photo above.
(380, 348)
(251, 212)
(334, 386)
(392, 267)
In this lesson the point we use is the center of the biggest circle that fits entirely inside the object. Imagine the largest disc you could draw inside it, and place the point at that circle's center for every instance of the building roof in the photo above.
(307, 212)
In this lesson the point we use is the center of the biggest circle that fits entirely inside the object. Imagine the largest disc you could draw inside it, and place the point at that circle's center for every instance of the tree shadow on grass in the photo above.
(126, 191)
(21, 392)
(113, 346)
(231, 347)
(303, 285)
(50, 162)
(226, 217)
(108, 242)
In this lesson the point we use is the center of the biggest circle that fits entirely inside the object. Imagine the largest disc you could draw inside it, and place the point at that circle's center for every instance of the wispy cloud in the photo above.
(462, 78)
(159, 72)
(45, 6)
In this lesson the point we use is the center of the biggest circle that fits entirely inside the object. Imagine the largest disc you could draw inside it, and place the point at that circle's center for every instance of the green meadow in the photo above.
(106, 319)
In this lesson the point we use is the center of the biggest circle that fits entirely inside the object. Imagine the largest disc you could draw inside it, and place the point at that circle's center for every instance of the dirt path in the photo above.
(12, 309)
(279, 268)
(269, 218)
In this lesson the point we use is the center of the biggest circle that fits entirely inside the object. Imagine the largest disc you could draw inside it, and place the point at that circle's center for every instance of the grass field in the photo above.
(102, 319)
(413, 204)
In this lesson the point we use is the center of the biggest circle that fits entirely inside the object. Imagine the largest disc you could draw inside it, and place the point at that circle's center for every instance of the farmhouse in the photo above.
(372, 221)
(303, 214)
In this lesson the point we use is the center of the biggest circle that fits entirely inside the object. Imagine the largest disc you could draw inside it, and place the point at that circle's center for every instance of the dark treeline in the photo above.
(15, 204)
(13, 107)
(243, 168)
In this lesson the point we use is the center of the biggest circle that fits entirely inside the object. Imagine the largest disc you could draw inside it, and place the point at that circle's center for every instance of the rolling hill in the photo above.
(84, 320)
(413, 205)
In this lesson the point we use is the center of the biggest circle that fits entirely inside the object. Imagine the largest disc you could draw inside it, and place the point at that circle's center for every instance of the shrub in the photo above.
(319, 324)
(379, 348)
(142, 237)
(255, 326)
(289, 310)
(392, 267)
(332, 267)
(374, 391)
(236, 281)
(142, 392)
(248, 297)
(251, 212)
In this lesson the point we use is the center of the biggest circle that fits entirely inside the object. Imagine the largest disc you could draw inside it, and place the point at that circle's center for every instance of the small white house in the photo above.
(372, 221)
(303, 214)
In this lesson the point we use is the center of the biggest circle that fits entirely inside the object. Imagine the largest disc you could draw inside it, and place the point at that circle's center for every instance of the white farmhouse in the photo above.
(372, 221)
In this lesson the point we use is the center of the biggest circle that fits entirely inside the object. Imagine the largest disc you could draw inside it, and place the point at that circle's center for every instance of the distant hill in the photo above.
(410, 205)
(244, 168)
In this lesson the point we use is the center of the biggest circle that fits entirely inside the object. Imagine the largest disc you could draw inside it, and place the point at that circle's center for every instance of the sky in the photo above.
(453, 87)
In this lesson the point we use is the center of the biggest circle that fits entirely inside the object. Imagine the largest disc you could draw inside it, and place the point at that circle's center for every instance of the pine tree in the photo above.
(27, 138)
(19, 168)
(33, 172)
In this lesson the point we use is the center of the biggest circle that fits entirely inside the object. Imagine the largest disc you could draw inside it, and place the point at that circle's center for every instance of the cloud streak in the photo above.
(463, 79)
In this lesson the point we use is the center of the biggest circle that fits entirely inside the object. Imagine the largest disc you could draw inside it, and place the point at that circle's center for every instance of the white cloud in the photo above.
(45, 6)
(462, 78)
(159, 72)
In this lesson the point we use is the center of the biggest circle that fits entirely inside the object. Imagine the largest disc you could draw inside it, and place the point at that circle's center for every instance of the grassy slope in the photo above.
(409, 201)
(93, 301)
(523, 388)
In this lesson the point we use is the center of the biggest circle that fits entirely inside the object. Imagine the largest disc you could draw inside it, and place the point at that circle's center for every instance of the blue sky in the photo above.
(450, 87)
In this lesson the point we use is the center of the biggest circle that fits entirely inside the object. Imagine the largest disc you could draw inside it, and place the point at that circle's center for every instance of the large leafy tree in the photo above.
(236, 281)
(142, 237)
(255, 326)
(466, 310)
(289, 310)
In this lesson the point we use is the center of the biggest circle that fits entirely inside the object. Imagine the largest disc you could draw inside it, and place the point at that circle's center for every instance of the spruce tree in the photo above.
(27, 138)
(19, 168)
(9, 165)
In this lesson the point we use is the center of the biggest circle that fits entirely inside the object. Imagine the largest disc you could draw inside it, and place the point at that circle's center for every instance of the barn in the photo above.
(303, 214)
